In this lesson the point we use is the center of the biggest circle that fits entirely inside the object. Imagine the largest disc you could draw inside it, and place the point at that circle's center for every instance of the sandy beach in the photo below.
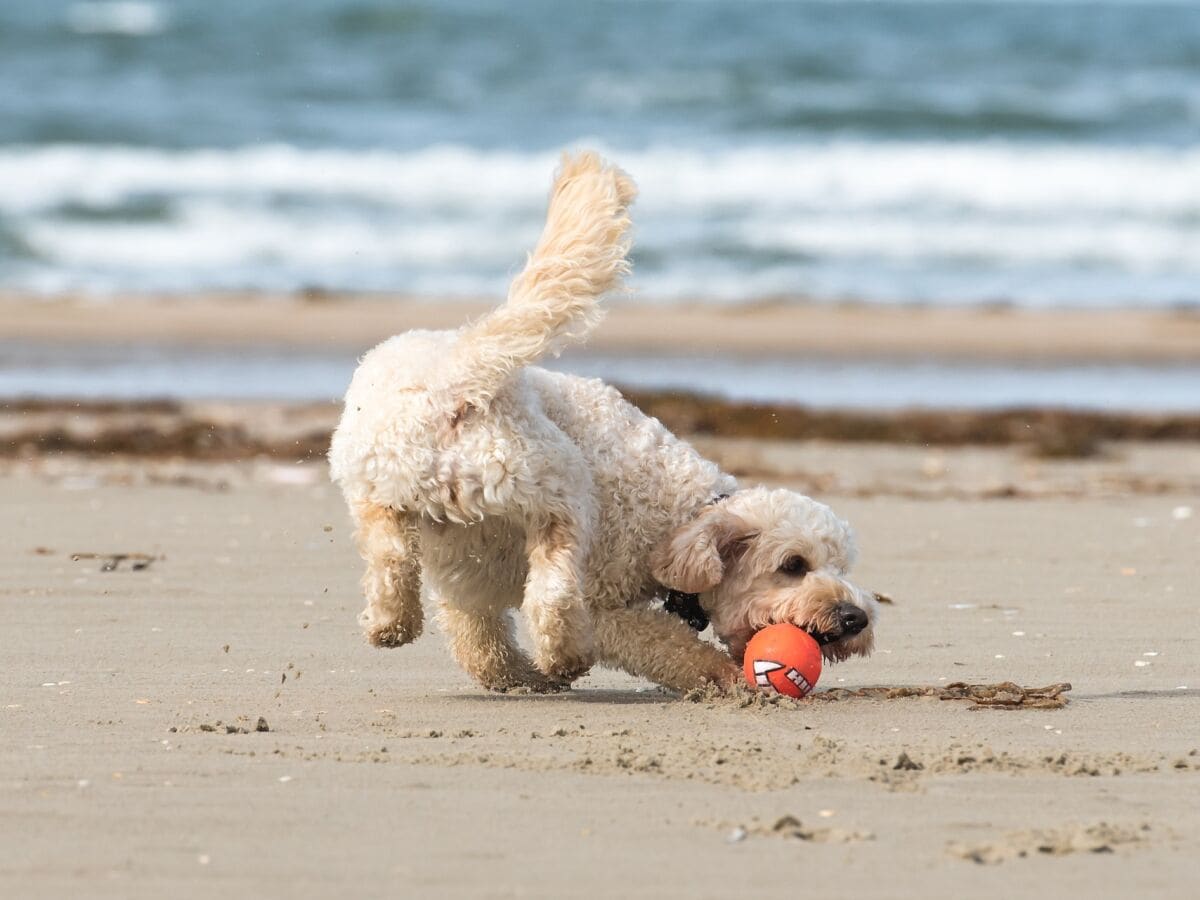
(188, 705)
(202, 715)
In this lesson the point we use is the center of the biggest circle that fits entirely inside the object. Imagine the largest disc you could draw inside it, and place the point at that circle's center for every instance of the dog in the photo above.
(493, 484)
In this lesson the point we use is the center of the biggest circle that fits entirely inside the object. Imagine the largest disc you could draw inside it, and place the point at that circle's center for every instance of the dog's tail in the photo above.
(580, 256)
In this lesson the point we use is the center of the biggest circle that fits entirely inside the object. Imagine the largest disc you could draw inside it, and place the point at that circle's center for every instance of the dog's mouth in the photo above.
(847, 621)
(824, 637)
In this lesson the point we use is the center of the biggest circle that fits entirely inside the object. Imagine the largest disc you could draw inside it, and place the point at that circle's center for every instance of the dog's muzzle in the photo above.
(851, 620)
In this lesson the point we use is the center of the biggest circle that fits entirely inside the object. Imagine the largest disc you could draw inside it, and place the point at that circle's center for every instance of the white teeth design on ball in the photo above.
(762, 667)
(798, 680)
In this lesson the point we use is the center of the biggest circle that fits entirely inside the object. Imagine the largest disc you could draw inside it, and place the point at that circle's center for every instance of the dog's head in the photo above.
(760, 557)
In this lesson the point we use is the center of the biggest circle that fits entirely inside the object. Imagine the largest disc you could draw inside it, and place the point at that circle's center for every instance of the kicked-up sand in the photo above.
(187, 708)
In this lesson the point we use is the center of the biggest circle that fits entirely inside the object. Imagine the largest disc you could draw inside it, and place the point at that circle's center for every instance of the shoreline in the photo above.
(232, 430)
(848, 331)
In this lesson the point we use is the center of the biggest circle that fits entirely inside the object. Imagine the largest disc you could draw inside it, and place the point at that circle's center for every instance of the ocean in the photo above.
(1026, 153)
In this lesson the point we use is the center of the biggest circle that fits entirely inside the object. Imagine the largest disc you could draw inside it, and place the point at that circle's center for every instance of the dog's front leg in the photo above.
(553, 603)
(659, 646)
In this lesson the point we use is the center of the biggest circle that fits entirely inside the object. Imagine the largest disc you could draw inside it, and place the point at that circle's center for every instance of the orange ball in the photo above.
(785, 658)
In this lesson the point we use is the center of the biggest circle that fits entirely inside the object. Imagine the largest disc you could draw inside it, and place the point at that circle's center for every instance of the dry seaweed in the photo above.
(1047, 432)
(112, 561)
(1004, 695)
(158, 428)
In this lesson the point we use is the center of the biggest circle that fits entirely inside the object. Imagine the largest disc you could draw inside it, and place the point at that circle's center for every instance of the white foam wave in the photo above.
(994, 177)
(441, 176)
(128, 17)
(211, 234)
(1132, 243)
(927, 221)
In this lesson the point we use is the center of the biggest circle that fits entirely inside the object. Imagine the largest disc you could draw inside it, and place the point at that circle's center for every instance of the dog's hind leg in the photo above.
(553, 602)
(389, 542)
(659, 646)
(474, 573)
(482, 641)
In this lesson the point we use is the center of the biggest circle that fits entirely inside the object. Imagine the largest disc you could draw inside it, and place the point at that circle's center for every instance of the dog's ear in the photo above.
(693, 559)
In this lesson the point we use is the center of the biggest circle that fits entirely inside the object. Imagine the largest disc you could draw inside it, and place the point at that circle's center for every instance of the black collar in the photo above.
(687, 606)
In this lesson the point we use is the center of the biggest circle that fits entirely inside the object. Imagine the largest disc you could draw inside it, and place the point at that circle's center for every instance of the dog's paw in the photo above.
(564, 648)
(390, 634)
(534, 684)
(707, 675)
(564, 663)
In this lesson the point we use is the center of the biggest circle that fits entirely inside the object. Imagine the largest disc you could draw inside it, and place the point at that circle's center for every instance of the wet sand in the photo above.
(130, 763)
(998, 334)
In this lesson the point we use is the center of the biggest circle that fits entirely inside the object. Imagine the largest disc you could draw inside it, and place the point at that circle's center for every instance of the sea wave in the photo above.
(899, 221)
(1003, 177)
(124, 17)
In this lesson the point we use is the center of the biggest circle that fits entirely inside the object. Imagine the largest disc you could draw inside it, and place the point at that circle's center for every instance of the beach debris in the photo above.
(1180, 513)
(260, 726)
(786, 824)
(905, 763)
(138, 562)
(1003, 695)
(1099, 838)
(789, 827)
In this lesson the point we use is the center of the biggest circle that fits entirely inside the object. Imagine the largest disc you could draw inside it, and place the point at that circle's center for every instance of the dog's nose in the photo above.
(852, 618)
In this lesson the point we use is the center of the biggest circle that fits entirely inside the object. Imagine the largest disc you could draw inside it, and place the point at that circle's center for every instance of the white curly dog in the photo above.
(496, 484)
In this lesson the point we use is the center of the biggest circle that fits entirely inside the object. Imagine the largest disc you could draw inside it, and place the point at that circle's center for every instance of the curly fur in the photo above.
(494, 484)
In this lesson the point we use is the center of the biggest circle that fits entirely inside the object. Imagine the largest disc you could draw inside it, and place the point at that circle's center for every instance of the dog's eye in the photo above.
(794, 565)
